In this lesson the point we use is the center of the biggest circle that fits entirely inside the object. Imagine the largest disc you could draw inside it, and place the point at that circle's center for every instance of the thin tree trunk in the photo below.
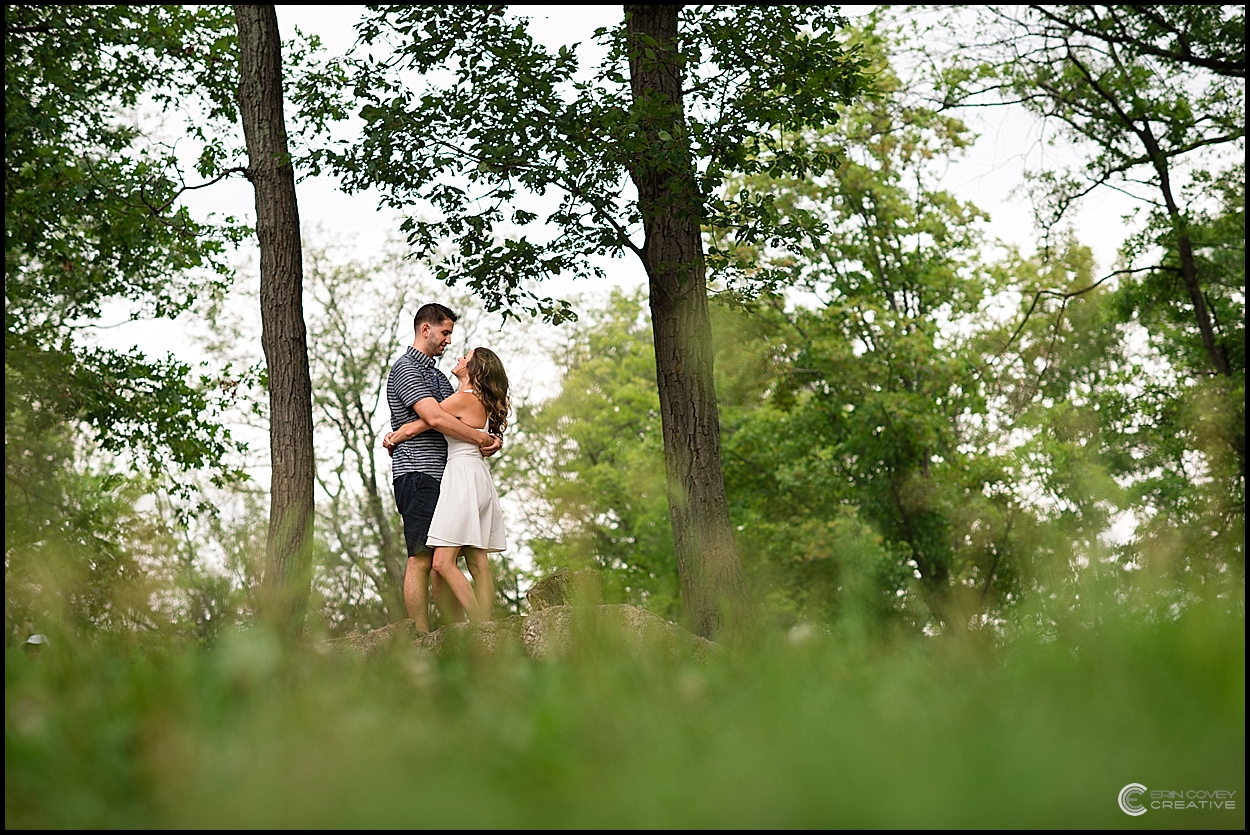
(1185, 250)
(288, 553)
(1216, 352)
(708, 567)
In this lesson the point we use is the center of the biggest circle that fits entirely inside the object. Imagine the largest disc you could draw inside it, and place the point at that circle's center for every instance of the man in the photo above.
(414, 391)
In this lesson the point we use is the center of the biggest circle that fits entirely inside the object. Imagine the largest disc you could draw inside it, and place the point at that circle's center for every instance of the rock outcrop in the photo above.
(552, 631)
(564, 587)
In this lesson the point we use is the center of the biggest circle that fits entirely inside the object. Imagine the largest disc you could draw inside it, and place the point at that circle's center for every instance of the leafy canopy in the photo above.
(513, 162)
(92, 215)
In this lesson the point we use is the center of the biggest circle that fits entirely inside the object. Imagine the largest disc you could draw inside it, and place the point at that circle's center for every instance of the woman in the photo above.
(468, 516)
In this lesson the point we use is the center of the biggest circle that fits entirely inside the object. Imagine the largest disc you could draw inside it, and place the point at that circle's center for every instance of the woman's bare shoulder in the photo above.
(455, 403)
(465, 406)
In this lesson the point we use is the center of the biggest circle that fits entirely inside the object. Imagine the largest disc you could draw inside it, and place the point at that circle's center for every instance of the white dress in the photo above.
(468, 512)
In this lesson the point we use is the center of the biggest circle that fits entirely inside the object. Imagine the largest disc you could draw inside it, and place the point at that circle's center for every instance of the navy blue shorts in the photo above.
(416, 496)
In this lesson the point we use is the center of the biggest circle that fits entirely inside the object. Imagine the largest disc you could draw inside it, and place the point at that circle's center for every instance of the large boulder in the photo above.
(550, 632)
(565, 587)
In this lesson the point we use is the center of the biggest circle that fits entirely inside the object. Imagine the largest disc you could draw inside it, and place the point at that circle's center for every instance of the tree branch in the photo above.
(1065, 296)
(1229, 68)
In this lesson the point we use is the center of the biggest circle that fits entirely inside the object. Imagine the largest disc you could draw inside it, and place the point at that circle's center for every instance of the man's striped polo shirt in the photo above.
(413, 378)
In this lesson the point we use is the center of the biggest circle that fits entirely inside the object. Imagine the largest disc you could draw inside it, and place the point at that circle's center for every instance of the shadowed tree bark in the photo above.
(288, 570)
(672, 253)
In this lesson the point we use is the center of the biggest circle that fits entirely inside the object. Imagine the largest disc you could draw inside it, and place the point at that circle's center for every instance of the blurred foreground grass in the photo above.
(940, 732)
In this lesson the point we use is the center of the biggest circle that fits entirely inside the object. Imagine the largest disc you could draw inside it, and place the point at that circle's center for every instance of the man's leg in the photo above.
(483, 585)
(416, 496)
(417, 590)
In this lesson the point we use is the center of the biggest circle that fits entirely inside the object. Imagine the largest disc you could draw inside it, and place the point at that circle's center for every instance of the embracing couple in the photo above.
(438, 444)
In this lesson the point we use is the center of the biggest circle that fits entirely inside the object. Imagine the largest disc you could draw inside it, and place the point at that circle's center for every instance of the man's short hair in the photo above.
(432, 314)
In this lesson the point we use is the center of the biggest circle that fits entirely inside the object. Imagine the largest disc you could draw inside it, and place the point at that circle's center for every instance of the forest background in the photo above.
(928, 430)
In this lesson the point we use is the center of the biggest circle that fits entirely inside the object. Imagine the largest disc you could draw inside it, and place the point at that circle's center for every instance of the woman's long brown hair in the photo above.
(490, 381)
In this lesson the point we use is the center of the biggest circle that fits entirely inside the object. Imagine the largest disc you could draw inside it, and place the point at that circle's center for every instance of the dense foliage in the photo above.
(92, 215)
(915, 428)
(93, 218)
(1152, 101)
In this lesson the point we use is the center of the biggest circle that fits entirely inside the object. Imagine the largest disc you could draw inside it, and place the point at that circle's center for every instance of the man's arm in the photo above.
(407, 432)
(432, 413)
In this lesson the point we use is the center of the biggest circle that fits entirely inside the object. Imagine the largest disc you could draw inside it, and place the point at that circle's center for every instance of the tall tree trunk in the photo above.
(708, 567)
(288, 552)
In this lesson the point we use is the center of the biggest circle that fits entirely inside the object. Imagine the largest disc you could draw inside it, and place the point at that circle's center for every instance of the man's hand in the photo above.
(493, 447)
(389, 444)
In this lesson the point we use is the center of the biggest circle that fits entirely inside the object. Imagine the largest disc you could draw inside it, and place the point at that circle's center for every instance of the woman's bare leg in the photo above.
(483, 586)
(448, 609)
(445, 565)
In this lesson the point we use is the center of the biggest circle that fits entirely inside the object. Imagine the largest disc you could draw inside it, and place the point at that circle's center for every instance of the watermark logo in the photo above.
(1159, 799)
(1128, 799)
